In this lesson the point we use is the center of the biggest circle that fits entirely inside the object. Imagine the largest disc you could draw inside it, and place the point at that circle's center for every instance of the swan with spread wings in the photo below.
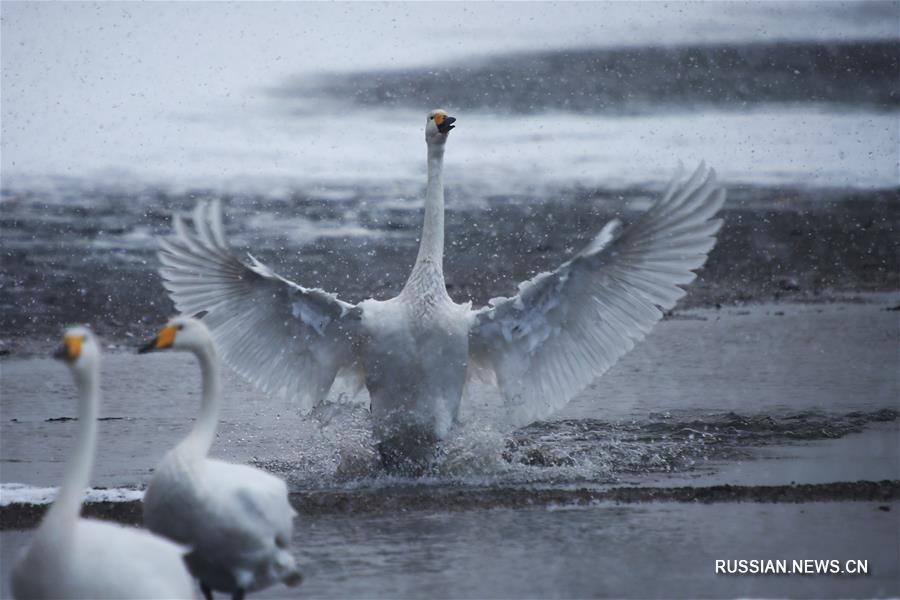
(415, 351)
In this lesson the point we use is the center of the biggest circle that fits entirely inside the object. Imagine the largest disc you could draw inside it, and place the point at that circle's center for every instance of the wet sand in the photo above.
(92, 258)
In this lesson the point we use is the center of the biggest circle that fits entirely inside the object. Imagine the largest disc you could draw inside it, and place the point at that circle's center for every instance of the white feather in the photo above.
(565, 328)
(284, 338)
(237, 520)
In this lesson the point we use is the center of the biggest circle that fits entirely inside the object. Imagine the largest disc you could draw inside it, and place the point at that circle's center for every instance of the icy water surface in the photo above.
(114, 116)
(642, 551)
(712, 386)
(741, 396)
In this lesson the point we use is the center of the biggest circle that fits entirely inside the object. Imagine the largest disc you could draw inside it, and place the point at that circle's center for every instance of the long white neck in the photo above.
(67, 507)
(200, 439)
(431, 246)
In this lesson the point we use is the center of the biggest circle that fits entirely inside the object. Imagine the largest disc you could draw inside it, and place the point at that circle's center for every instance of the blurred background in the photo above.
(308, 118)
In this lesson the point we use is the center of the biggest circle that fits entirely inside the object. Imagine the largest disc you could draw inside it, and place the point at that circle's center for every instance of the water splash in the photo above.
(338, 450)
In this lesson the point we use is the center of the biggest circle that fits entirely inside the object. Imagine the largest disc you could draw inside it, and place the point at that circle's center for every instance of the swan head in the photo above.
(180, 333)
(438, 126)
(79, 349)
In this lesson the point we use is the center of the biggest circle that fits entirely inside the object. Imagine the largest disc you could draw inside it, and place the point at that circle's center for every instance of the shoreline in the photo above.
(383, 500)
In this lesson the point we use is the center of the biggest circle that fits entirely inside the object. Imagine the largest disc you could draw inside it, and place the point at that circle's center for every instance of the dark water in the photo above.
(639, 80)
(606, 550)
(704, 392)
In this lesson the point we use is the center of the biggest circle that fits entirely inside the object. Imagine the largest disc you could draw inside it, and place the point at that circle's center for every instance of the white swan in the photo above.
(72, 557)
(237, 519)
(415, 351)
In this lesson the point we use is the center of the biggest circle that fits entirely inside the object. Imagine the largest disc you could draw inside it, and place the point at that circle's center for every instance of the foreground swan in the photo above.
(72, 557)
(236, 519)
(415, 351)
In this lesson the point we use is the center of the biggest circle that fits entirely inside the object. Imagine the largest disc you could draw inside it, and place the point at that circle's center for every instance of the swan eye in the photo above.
(180, 327)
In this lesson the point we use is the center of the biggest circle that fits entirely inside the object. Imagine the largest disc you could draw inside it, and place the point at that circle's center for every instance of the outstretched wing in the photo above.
(283, 338)
(565, 328)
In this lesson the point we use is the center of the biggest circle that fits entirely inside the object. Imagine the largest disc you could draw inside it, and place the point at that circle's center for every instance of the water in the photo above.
(644, 551)
(742, 397)
(786, 93)
(114, 116)
(710, 389)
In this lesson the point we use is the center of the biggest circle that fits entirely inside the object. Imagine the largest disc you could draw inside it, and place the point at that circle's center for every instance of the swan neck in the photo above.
(430, 260)
(431, 247)
(200, 439)
(67, 507)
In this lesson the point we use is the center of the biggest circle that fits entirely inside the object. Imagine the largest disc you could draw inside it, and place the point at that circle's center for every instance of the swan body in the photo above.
(103, 560)
(237, 519)
(72, 557)
(416, 351)
(414, 354)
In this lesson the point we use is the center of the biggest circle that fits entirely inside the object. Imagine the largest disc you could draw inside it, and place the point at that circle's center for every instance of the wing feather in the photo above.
(283, 338)
(567, 327)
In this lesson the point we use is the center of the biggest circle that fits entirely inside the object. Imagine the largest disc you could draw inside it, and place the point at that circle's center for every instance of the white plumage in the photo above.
(236, 519)
(567, 327)
(72, 557)
(415, 351)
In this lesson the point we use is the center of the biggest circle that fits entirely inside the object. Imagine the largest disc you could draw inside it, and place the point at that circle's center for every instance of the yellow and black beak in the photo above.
(164, 340)
(444, 122)
(70, 349)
